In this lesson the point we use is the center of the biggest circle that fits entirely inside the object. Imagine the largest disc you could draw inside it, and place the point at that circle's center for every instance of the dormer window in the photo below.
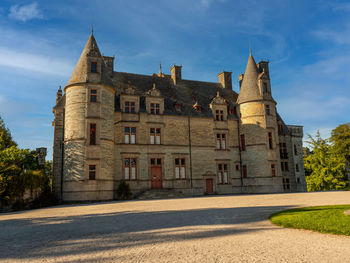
(129, 106)
(178, 107)
(231, 111)
(197, 108)
(267, 109)
(219, 115)
(93, 67)
(155, 108)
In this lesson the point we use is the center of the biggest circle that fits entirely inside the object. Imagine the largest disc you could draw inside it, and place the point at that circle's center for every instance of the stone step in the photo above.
(159, 194)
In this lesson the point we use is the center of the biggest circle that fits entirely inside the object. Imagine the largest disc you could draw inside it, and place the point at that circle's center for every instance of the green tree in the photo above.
(324, 170)
(340, 140)
(6, 140)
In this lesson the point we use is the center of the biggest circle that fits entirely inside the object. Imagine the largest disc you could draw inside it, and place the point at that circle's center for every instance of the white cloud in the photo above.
(34, 62)
(25, 12)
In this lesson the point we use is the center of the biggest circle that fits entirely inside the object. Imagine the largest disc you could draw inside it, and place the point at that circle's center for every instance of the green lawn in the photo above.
(324, 219)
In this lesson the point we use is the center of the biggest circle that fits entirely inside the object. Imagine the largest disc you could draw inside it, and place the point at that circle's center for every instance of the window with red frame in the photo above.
(92, 133)
(180, 168)
(155, 108)
(130, 135)
(155, 136)
(130, 169)
(94, 67)
(270, 140)
(219, 115)
(93, 95)
(129, 106)
(220, 141)
(222, 173)
(244, 168)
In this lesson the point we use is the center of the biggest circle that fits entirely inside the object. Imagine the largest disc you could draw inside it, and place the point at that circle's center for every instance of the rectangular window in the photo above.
(92, 172)
(92, 133)
(283, 151)
(267, 109)
(280, 129)
(244, 168)
(242, 143)
(155, 136)
(265, 88)
(221, 141)
(130, 135)
(180, 168)
(94, 67)
(155, 108)
(93, 95)
(297, 168)
(273, 170)
(223, 173)
(286, 168)
(282, 166)
(130, 169)
(219, 115)
(237, 167)
(295, 150)
(270, 140)
(129, 106)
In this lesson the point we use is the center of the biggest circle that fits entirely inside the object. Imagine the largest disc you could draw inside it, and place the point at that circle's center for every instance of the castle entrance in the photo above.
(156, 173)
(209, 186)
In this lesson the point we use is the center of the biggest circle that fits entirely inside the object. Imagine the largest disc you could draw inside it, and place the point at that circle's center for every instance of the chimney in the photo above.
(225, 79)
(264, 66)
(176, 73)
(240, 79)
(58, 94)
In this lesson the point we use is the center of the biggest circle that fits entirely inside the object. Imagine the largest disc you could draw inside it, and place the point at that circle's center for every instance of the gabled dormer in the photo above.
(129, 100)
(219, 108)
(154, 101)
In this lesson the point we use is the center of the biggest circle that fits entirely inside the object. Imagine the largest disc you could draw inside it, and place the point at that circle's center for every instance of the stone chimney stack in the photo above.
(225, 79)
(176, 73)
(58, 94)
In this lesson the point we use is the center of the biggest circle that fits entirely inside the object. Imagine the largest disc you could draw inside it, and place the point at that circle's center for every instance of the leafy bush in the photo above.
(123, 191)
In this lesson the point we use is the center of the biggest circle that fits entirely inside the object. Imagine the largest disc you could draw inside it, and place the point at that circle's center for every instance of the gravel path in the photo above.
(206, 229)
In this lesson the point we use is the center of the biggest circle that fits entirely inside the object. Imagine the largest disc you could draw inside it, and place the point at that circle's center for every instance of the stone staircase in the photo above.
(159, 194)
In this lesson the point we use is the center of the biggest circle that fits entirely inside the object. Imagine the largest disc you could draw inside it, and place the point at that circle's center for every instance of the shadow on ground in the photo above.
(74, 235)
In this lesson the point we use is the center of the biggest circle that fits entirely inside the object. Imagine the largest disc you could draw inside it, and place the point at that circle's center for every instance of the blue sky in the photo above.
(306, 42)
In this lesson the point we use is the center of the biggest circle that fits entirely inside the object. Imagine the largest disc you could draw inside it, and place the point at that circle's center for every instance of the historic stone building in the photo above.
(162, 131)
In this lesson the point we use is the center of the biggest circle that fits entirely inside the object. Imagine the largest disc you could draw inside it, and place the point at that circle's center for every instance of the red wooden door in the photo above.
(209, 185)
(156, 173)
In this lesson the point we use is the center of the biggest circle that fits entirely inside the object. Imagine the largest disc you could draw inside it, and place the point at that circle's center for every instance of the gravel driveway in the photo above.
(205, 229)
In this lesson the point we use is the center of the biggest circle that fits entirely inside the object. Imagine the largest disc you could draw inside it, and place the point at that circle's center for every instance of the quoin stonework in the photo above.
(161, 131)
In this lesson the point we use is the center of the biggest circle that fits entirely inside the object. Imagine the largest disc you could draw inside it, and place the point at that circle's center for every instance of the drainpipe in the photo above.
(190, 149)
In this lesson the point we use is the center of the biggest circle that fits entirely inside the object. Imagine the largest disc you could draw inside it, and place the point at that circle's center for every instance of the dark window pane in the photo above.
(177, 161)
(127, 129)
(132, 110)
(157, 106)
(126, 103)
(127, 162)
(93, 67)
(182, 161)
(132, 103)
(220, 167)
(126, 109)
(153, 161)
(225, 167)
(133, 161)
(152, 130)
(159, 161)
(158, 130)
(133, 130)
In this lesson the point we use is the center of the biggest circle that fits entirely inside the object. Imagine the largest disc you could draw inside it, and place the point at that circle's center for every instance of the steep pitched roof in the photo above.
(186, 93)
(80, 71)
(249, 89)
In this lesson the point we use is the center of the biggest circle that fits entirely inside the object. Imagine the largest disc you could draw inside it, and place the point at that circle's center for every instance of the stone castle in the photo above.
(161, 131)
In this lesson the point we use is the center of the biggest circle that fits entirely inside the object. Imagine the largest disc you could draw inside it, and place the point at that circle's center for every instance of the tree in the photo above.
(6, 140)
(340, 140)
(324, 169)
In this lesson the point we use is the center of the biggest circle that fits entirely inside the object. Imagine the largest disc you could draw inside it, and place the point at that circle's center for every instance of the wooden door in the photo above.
(209, 186)
(156, 173)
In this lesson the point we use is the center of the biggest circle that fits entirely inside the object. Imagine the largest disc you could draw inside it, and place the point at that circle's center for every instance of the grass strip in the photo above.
(324, 219)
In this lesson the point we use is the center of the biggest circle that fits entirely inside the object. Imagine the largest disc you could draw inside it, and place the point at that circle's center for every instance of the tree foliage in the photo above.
(325, 163)
(20, 173)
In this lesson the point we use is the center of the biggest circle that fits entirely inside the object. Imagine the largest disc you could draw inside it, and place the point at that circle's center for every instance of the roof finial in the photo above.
(60, 88)
(92, 29)
(250, 48)
(160, 67)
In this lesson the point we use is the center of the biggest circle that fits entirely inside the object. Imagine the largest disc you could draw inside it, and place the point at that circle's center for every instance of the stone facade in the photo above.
(161, 131)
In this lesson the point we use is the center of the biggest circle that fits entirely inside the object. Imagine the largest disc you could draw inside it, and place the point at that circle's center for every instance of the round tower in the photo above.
(88, 129)
(258, 131)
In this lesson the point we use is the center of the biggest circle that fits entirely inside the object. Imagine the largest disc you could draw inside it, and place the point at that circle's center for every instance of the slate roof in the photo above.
(249, 89)
(185, 92)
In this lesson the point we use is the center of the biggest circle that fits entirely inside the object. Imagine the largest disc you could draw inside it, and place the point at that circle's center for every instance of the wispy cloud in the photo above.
(25, 12)
(34, 62)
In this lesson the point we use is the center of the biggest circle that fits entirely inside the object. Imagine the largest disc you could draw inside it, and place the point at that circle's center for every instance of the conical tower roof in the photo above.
(249, 89)
(80, 71)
